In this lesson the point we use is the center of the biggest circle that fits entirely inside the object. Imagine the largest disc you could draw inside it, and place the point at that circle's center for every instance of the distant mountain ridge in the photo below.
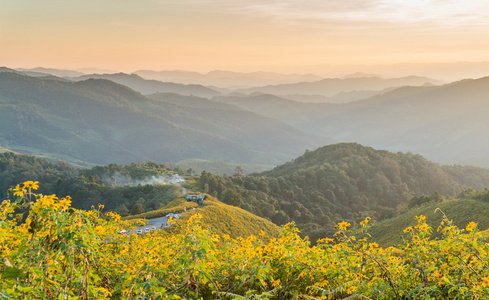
(445, 123)
(145, 86)
(55, 72)
(333, 86)
(226, 79)
(99, 121)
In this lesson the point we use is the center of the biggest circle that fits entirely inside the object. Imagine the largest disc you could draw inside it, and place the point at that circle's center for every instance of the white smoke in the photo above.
(118, 179)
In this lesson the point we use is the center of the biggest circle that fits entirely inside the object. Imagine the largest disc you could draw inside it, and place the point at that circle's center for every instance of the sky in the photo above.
(240, 35)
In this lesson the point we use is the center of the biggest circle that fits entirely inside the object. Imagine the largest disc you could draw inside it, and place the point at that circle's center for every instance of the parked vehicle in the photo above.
(146, 229)
(139, 231)
(197, 198)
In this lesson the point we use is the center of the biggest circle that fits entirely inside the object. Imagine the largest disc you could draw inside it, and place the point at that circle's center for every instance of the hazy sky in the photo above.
(242, 35)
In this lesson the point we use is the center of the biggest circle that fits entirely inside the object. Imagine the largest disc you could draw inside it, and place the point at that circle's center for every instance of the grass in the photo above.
(231, 220)
(223, 218)
(176, 206)
(462, 211)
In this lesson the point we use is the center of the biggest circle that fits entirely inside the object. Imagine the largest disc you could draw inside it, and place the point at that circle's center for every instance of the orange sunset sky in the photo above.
(245, 35)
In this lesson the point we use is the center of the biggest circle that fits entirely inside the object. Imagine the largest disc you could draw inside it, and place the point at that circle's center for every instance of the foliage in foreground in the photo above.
(64, 253)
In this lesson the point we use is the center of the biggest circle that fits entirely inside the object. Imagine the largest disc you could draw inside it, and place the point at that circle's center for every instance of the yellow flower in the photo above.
(276, 283)
(113, 215)
(373, 245)
(99, 229)
(409, 229)
(471, 226)
(64, 203)
(19, 190)
(485, 281)
(423, 227)
(325, 240)
(420, 218)
(48, 201)
(364, 222)
(343, 225)
(32, 185)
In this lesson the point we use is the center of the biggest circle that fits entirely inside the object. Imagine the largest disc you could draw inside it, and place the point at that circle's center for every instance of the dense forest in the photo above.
(97, 121)
(125, 189)
(341, 182)
(316, 190)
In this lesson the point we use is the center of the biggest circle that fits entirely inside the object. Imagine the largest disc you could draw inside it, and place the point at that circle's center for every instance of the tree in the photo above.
(232, 197)
(238, 171)
(123, 211)
(137, 209)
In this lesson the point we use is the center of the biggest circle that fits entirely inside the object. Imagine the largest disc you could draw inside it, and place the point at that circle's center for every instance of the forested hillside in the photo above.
(130, 189)
(97, 121)
(340, 182)
(443, 123)
(469, 206)
(316, 190)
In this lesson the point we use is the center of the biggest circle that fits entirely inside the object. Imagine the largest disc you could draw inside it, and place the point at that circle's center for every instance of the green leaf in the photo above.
(11, 272)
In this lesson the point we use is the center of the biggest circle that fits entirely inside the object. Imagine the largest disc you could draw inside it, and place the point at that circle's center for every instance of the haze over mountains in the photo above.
(145, 86)
(330, 87)
(266, 123)
(227, 79)
(99, 121)
(124, 118)
(444, 123)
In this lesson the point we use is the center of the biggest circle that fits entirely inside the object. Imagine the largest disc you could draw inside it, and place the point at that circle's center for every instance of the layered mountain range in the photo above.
(99, 121)
(265, 124)
(445, 123)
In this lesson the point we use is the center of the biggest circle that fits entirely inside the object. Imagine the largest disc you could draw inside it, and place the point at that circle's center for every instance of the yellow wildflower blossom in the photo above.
(31, 185)
(65, 202)
(423, 227)
(325, 240)
(364, 222)
(276, 283)
(485, 281)
(420, 218)
(343, 225)
(373, 245)
(471, 226)
(19, 190)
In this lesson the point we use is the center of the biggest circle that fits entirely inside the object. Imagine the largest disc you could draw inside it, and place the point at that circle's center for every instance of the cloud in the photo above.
(446, 12)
